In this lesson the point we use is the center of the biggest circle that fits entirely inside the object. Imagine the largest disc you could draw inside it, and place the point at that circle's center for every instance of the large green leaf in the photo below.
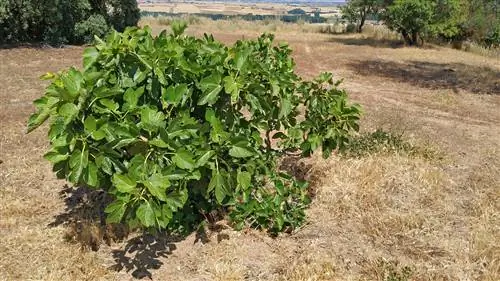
(184, 160)
(78, 162)
(217, 184)
(90, 56)
(244, 179)
(91, 175)
(286, 107)
(241, 58)
(115, 212)
(55, 156)
(204, 158)
(211, 88)
(132, 96)
(44, 107)
(90, 124)
(232, 87)
(72, 82)
(152, 119)
(240, 151)
(68, 111)
(146, 214)
(157, 185)
(174, 94)
(123, 183)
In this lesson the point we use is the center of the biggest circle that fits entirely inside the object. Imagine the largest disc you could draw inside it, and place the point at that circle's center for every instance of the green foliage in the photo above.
(411, 18)
(175, 127)
(482, 22)
(450, 20)
(95, 25)
(392, 271)
(381, 141)
(376, 142)
(357, 11)
(60, 21)
(123, 13)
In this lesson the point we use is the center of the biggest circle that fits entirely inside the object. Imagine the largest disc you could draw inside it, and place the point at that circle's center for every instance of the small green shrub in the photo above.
(350, 28)
(381, 141)
(174, 128)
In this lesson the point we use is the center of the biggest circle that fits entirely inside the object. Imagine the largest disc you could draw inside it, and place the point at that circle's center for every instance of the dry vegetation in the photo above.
(374, 217)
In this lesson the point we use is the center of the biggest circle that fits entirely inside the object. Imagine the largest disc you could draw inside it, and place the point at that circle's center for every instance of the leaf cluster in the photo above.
(176, 127)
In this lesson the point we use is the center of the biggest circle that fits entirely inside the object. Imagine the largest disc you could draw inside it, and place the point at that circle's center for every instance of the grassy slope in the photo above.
(371, 216)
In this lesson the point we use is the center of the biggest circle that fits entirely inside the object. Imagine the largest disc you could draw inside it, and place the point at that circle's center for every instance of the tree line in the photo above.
(59, 22)
(421, 20)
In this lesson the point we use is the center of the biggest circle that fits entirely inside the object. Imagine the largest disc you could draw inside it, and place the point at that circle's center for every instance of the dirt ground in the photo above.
(373, 218)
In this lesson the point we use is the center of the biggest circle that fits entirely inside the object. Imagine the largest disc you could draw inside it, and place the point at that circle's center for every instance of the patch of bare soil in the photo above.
(372, 217)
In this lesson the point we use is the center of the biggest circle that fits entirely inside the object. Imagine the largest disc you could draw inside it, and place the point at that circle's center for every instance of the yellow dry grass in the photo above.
(371, 217)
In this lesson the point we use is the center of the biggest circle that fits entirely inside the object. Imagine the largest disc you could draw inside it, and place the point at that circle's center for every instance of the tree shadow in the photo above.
(369, 41)
(84, 218)
(142, 254)
(82, 204)
(454, 76)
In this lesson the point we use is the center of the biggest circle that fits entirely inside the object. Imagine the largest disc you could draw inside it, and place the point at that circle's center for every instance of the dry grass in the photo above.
(372, 217)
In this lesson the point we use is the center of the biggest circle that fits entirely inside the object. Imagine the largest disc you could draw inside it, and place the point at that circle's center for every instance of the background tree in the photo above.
(411, 18)
(448, 20)
(482, 22)
(60, 21)
(357, 11)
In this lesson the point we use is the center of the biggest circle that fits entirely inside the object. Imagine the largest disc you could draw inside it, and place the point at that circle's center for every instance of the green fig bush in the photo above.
(175, 128)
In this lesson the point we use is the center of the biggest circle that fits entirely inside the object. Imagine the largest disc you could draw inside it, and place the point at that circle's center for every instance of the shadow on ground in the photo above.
(85, 222)
(455, 76)
(82, 204)
(142, 254)
(373, 42)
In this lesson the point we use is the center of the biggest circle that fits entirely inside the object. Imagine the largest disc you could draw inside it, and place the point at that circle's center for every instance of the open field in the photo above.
(232, 8)
(436, 214)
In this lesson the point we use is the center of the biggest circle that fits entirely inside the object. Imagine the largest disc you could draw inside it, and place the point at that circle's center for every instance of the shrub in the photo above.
(95, 25)
(176, 128)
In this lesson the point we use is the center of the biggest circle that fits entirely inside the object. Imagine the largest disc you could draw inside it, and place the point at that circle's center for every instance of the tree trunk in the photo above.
(361, 24)
(406, 37)
(414, 38)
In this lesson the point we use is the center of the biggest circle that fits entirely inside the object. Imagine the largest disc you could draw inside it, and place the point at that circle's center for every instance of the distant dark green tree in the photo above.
(123, 13)
(62, 21)
(297, 11)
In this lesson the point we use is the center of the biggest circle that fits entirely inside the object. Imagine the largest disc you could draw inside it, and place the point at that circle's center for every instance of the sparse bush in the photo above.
(381, 141)
(193, 20)
(350, 28)
(176, 128)
(164, 20)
